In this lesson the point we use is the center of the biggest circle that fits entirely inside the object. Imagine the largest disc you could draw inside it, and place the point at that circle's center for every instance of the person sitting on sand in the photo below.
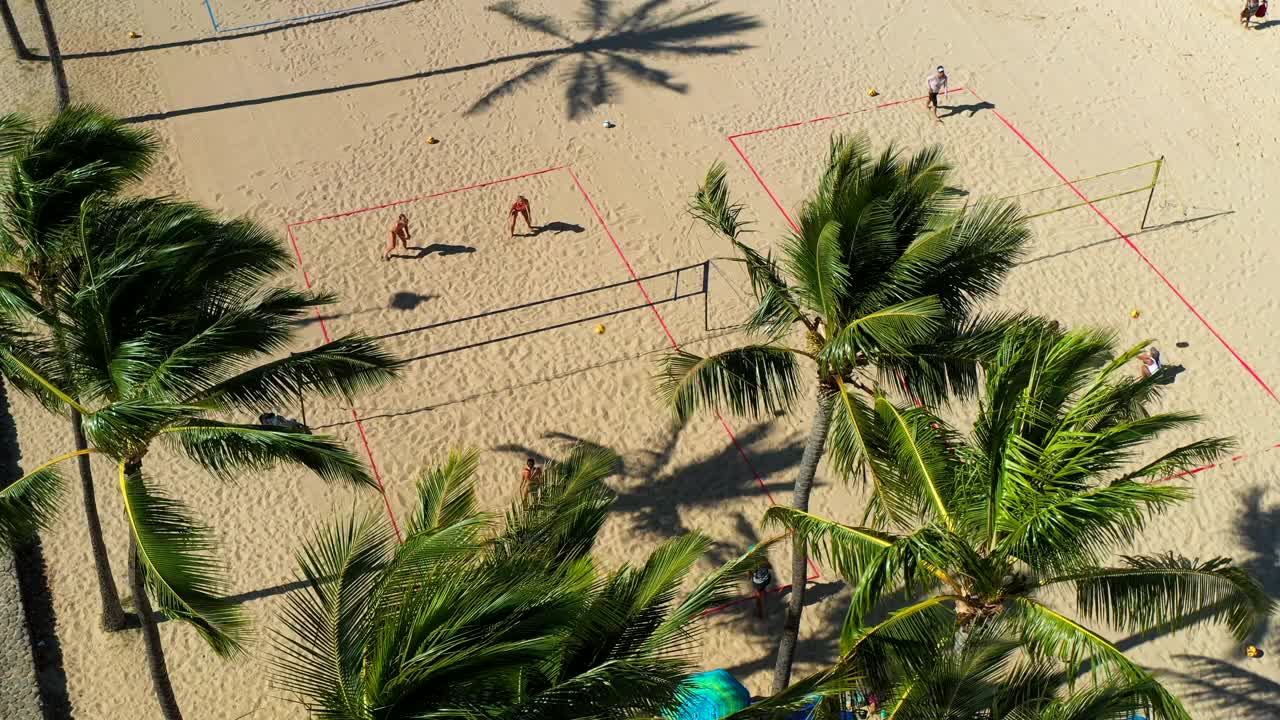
(520, 208)
(1252, 9)
(399, 234)
(530, 478)
(1150, 362)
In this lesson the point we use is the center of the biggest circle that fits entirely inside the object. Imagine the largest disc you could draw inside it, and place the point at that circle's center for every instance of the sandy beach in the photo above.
(316, 128)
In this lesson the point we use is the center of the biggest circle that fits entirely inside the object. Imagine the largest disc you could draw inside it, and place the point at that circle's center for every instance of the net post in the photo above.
(302, 403)
(706, 295)
(1155, 179)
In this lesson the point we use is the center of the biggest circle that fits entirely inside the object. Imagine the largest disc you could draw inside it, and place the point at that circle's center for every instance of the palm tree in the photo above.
(164, 334)
(980, 530)
(879, 281)
(11, 29)
(991, 676)
(51, 171)
(466, 620)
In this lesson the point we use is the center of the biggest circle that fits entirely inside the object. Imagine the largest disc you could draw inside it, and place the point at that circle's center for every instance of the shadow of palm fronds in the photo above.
(618, 45)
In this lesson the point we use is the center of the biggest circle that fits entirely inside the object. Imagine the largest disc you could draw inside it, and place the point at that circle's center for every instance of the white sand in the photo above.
(1093, 89)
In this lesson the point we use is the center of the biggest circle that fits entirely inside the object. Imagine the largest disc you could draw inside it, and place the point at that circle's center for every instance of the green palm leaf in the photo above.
(1170, 591)
(446, 493)
(321, 652)
(916, 440)
(753, 381)
(892, 329)
(342, 368)
(857, 445)
(181, 573)
(814, 257)
(711, 204)
(30, 503)
(1065, 531)
(1054, 634)
(225, 450)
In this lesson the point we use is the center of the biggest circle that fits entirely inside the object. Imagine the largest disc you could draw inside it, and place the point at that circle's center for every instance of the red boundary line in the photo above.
(307, 280)
(324, 331)
(1128, 241)
(676, 345)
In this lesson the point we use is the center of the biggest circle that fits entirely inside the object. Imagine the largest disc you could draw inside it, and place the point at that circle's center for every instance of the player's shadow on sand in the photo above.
(555, 228)
(972, 109)
(442, 249)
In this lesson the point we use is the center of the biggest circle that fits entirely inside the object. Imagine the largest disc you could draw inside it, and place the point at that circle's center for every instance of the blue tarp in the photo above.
(712, 695)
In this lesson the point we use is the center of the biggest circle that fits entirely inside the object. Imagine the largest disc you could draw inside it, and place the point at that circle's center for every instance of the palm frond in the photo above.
(891, 329)
(776, 308)
(320, 654)
(1052, 633)
(446, 493)
(711, 204)
(225, 450)
(176, 553)
(753, 381)
(918, 446)
(711, 592)
(857, 446)
(1169, 591)
(1181, 459)
(849, 549)
(342, 368)
(17, 300)
(15, 130)
(30, 365)
(124, 429)
(815, 259)
(1053, 533)
(30, 503)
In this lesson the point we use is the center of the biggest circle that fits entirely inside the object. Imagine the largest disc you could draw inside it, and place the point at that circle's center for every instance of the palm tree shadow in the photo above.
(1216, 684)
(616, 46)
(658, 503)
(1259, 532)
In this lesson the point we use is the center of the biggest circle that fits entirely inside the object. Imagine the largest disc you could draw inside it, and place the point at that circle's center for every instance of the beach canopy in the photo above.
(711, 695)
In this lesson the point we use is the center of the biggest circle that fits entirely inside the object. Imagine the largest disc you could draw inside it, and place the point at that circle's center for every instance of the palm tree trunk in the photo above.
(150, 631)
(799, 552)
(11, 28)
(113, 616)
(55, 54)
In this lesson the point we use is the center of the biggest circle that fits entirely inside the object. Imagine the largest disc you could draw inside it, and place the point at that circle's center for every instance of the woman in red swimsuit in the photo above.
(520, 208)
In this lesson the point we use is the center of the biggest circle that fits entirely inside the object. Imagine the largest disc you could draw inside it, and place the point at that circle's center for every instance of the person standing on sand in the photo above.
(1252, 9)
(937, 83)
(761, 578)
(530, 478)
(399, 234)
(520, 208)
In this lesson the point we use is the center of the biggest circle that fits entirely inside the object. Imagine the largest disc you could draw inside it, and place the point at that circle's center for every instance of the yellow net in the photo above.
(1098, 188)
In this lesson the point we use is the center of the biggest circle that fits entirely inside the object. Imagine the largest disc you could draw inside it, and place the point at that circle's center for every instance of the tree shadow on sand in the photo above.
(1221, 689)
(616, 45)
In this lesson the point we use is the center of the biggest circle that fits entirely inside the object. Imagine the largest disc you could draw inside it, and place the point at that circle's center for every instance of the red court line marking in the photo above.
(368, 451)
(672, 340)
(394, 203)
(1128, 241)
(1133, 246)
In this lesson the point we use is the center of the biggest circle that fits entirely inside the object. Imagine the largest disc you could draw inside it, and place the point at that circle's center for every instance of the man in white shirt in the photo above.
(937, 83)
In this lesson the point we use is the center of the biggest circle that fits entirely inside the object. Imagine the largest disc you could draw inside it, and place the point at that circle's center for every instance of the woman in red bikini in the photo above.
(520, 208)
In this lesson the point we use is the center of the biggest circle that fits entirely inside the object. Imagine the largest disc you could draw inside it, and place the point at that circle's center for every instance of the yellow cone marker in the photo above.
(599, 329)
(431, 140)
(1135, 314)
(133, 35)
(1253, 651)
(873, 92)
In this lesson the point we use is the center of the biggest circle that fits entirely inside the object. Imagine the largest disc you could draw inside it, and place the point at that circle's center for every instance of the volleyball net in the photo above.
(1135, 180)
